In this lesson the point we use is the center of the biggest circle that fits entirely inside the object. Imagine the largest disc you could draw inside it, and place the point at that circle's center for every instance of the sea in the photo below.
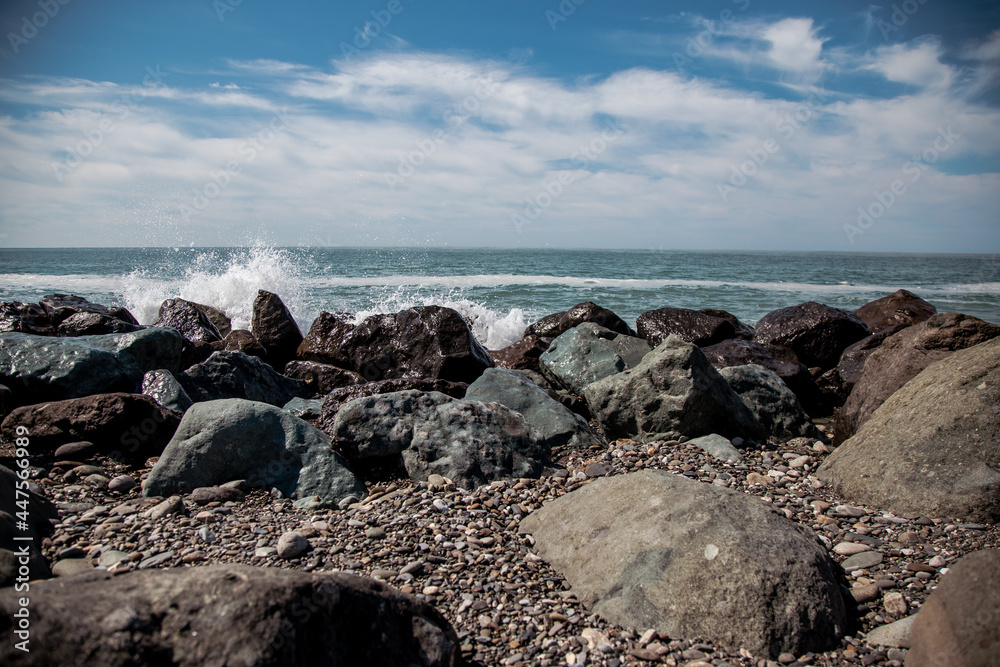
(499, 291)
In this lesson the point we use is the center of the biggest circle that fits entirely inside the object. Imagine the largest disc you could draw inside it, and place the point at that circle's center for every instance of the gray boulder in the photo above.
(933, 448)
(219, 441)
(674, 391)
(163, 387)
(558, 425)
(581, 355)
(469, 442)
(771, 401)
(41, 368)
(234, 374)
(226, 615)
(656, 550)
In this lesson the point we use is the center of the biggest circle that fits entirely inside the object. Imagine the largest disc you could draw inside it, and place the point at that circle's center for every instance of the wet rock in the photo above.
(275, 328)
(321, 378)
(556, 324)
(59, 307)
(815, 332)
(188, 319)
(771, 402)
(30, 318)
(690, 325)
(94, 324)
(218, 318)
(240, 340)
(237, 375)
(522, 355)
(163, 387)
(838, 382)
(899, 308)
(322, 343)
(743, 331)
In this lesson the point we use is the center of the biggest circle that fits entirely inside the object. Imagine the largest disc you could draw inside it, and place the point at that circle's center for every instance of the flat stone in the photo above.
(896, 635)
(112, 556)
(863, 594)
(862, 560)
(158, 559)
(70, 566)
(850, 548)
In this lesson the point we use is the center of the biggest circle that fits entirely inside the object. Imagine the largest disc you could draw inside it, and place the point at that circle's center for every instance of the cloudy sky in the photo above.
(587, 123)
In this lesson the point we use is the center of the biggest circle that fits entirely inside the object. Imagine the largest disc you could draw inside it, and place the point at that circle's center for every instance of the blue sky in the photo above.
(585, 123)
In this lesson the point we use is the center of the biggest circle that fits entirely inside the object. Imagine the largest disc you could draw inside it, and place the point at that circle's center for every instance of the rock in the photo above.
(838, 382)
(188, 319)
(933, 448)
(163, 387)
(895, 604)
(691, 326)
(673, 392)
(522, 355)
(557, 324)
(240, 340)
(718, 446)
(20, 317)
(815, 332)
(93, 324)
(959, 624)
(169, 507)
(121, 484)
(743, 331)
(340, 397)
(652, 549)
(218, 318)
(6, 400)
(305, 408)
(125, 427)
(468, 442)
(771, 401)
(218, 441)
(228, 615)
(557, 424)
(901, 357)
(775, 358)
(292, 545)
(275, 328)
(322, 343)
(321, 378)
(53, 369)
(862, 561)
(40, 520)
(236, 375)
(80, 451)
(899, 308)
(897, 634)
(67, 567)
(581, 355)
(60, 307)
(216, 494)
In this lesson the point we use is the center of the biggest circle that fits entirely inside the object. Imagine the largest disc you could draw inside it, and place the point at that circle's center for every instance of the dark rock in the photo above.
(236, 375)
(322, 343)
(126, 427)
(227, 615)
(188, 319)
(275, 328)
(673, 392)
(196, 352)
(321, 378)
(522, 355)
(899, 308)
(6, 400)
(76, 451)
(216, 494)
(933, 448)
(59, 307)
(815, 332)
(229, 439)
(581, 355)
(240, 340)
(838, 382)
(40, 368)
(30, 318)
(93, 324)
(901, 357)
(690, 325)
(339, 397)
(553, 325)
(39, 515)
(656, 550)
(743, 331)
(771, 402)
(218, 318)
(163, 387)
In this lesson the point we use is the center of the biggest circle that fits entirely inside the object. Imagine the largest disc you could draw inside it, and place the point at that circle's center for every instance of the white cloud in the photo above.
(794, 45)
(917, 64)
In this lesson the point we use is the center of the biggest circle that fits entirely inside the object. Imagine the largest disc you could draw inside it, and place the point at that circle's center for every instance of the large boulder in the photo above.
(322, 343)
(899, 308)
(468, 442)
(233, 374)
(321, 378)
(556, 324)
(587, 353)
(933, 448)
(690, 325)
(838, 382)
(126, 427)
(162, 386)
(59, 307)
(522, 355)
(189, 319)
(771, 402)
(959, 624)
(19, 502)
(226, 615)
(40, 368)
(338, 398)
(558, 425)
(216, 317)
(220, 441)
(240, 340)
(743, 331)
(25, 318)
(815, 332)
(275, 328)
(94, 324)
(656, 550)
(430, 342)
(673, 392)
(901, 357)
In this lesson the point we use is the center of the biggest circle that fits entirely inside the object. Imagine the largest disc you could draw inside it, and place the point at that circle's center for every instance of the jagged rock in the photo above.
(838, 382)
(899, 308)
(690, 325)
(340, 397)
(743, 331)
(771, 402)
(522, 355)
(188, 319)
(240, 340)
(321, 378)
(59, 307)
(275, 328)
(94, 324)
(17, 316)
(674, 391)
(38, 514)
(322, 343)
(218, 318)
(581, 355)
(556, 324)
(815, 332)
(163, 387)
(237, 375)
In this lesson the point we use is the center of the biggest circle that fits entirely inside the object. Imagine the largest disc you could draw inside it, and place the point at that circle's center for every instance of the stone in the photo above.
(933, 448)
(41, 518)
(691, 326)
(94, 324)
(170, 506)
(838, 382)
(850, 548)
(322, 343)
(304, 408)
(162, 386)
(557, 324)
(653, 549)
(188, 319)
(899, 308)
(292, 545)
(110, 557)
(6, 400)
(959, 624)
(673, 392)
(897, 634)
(218, 318)
(275, 328)
(52, 369)
(20, 317)
(718, 446)
(229, 615)
(122, 484)
(321, 379)
(901, 357)
(771, 401)
(580, 356)
(126, 427)
(67, 567)
(240, 340)
(216, 494)
(218, 441)
(557, 424)
(81, 451)
(468, 442)
(236, 375)
(862, 561)
(895, 604)
(815, 332)
(340, 397)
(522, 355)
(743, 331)
(60, 307)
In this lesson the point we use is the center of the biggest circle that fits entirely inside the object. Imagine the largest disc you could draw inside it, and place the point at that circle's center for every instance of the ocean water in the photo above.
(498, 291)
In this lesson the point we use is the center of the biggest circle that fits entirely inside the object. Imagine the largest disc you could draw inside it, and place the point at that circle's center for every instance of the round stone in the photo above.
(292, 545)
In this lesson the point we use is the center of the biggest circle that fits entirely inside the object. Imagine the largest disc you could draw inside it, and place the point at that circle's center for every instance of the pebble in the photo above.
(172, 505)
(121, 483)
(205, 534)
(110, 557)
(70, 566)
(895, 604)
(375, 533)
(850, 548)
(848, 511)
(157, 559)
(867, 593)
(863, 560)
(292, 545)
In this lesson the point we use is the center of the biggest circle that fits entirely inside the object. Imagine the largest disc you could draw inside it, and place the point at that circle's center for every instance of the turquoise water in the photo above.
(499, 290)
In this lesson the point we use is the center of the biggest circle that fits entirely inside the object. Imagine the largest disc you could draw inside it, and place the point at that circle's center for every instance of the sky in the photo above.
(720, 124)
